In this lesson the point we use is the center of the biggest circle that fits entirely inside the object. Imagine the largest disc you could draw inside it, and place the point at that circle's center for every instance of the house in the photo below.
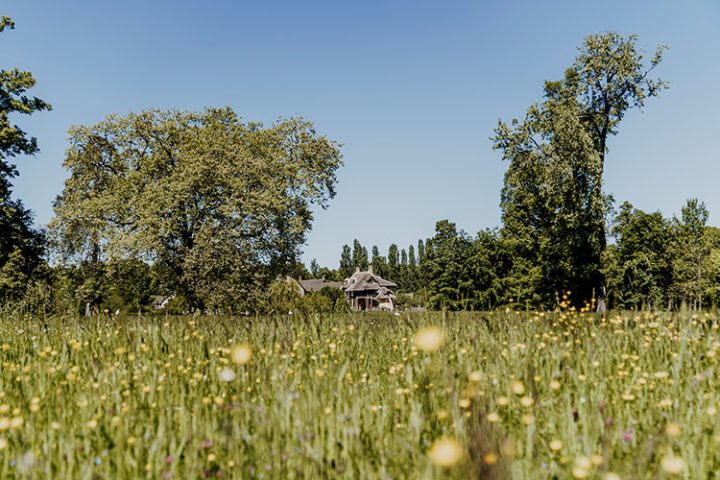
(368, 291)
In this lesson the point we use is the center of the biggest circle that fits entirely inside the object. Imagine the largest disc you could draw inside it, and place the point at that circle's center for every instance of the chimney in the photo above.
(370, 269)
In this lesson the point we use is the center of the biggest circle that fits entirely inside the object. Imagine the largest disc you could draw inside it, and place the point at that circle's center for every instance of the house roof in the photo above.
(384, 293)
(360, 281)
(317, 284)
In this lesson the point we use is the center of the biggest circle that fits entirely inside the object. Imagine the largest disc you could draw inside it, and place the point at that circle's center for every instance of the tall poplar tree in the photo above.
(346, 263)
(359, 256)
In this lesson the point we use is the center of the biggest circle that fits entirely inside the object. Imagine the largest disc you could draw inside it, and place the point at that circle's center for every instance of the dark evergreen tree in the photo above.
(393, 262)
(359, 256)
(346, 262)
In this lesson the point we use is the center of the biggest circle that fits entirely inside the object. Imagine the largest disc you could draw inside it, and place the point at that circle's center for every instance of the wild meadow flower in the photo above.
(673, 429)
(16, 422)
(241, 354)
(492, 417)
(490, 458)
(672, 464)
(226, 375)
(518, 388)
(429, 339)
(445, 452)
(583, 466)
(579, 472)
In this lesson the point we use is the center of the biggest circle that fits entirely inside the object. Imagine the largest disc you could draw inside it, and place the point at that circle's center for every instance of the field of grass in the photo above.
(505, 395)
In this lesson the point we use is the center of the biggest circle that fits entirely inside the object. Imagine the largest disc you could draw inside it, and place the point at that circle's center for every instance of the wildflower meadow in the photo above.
(422, 395)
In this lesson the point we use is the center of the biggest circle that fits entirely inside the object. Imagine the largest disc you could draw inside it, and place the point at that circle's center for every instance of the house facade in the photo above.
(363, 290)
(368, 291)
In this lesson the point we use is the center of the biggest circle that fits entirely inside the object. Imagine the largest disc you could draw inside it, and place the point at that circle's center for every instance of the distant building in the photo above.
(315, 285)
(368, 291)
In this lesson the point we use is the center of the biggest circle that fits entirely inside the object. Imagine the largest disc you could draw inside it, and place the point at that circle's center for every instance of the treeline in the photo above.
(212, 210)
(399, 265)
(650, 262)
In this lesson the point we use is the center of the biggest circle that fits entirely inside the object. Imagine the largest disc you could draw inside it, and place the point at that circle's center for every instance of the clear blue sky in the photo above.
(413, 89)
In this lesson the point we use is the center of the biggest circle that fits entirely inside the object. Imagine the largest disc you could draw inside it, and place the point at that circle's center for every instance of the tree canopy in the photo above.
(21, 246)
(219, 206)
(553, 204)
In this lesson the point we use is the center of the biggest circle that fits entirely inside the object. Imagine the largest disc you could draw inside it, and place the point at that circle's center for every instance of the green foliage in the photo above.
(130, 285)
(359, 256)
(314, 268)
(284, 298)
(21, 246)
(346, 262)
(638, 268)
(447, 268)
(554, 208)
(379, 263)
(219, 206)
(692, 273)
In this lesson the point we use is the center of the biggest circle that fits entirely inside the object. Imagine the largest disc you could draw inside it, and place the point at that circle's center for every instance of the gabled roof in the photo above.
(360, 281)
(317, 284)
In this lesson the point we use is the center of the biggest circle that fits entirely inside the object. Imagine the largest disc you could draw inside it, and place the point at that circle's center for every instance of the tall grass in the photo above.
(548, 395)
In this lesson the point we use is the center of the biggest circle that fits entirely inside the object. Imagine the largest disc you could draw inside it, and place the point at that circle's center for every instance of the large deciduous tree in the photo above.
(553, 205)
(21, 246)
(219, 206)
